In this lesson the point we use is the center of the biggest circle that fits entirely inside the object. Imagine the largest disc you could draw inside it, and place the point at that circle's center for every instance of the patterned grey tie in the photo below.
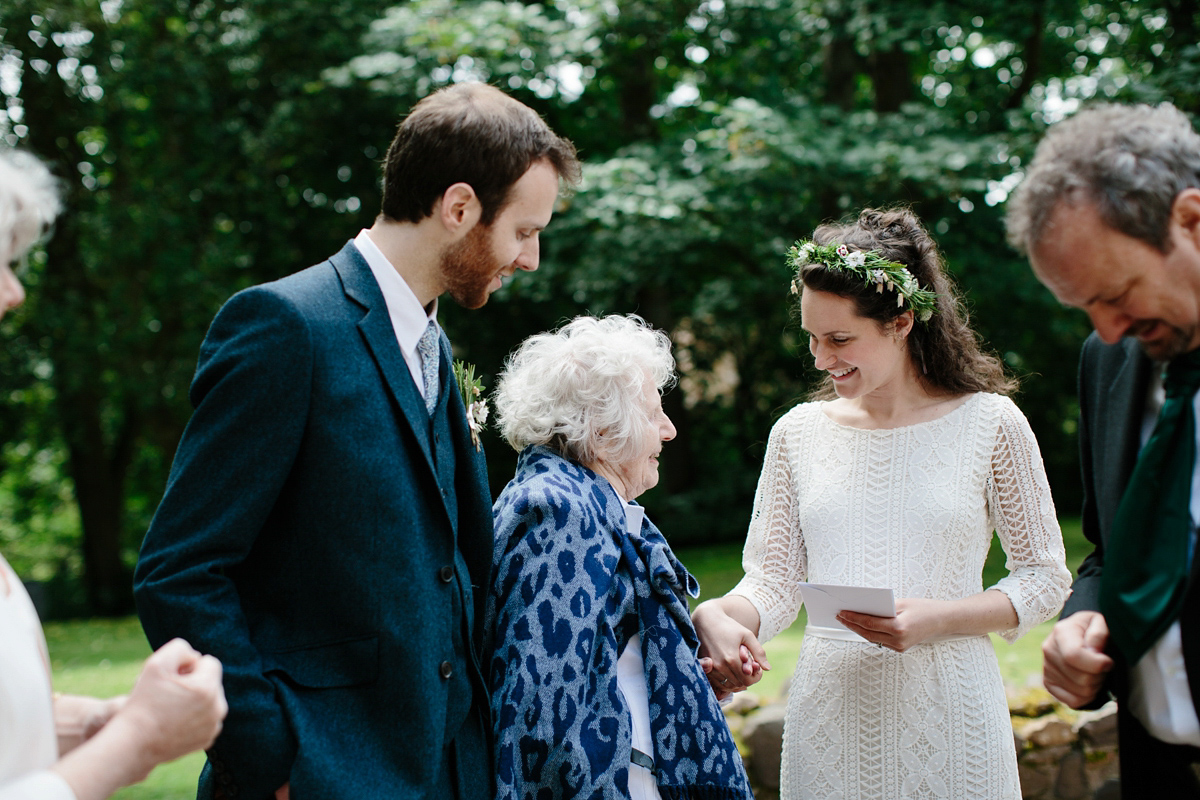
(427, 346)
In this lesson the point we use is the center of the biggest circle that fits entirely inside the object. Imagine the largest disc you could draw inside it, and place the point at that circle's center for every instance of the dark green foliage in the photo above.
(209, 145)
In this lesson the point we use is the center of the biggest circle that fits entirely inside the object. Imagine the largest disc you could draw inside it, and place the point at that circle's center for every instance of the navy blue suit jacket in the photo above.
(308, 539)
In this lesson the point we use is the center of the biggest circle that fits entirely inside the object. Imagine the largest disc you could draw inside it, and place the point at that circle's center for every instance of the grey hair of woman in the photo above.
(1131, 161)
(28, 202)
(579, 390)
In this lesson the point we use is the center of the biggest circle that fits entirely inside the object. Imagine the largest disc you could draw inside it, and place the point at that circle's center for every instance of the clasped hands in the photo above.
(1075, 664)
(176, 706)
(734, 660)
(730, 653)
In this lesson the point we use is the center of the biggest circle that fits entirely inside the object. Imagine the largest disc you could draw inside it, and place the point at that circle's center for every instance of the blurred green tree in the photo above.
(177, 128)
(717, 132)
(209, 144)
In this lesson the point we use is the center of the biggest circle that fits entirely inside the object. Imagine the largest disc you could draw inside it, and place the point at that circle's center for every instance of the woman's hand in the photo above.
(730, 653)
(177, 705)
(750, 668)
(77, 718)
(917, 620)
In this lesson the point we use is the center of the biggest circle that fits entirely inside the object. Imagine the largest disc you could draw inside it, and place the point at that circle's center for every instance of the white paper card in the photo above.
(824, 601)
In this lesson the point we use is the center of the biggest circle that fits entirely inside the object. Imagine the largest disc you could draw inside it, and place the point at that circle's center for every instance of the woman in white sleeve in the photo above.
(66, 747)
(895, 476)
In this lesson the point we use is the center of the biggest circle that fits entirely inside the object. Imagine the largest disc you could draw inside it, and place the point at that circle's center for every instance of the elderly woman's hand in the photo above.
(730, 652)
(750, 668)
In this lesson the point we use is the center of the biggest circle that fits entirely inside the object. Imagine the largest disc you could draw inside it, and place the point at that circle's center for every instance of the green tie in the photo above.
(1146, 559)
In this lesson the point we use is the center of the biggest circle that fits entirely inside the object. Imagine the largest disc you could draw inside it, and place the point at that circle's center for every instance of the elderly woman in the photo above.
(596, 690)
(65, 747)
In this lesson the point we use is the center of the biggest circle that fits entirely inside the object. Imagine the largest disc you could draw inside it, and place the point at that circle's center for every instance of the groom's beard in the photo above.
(469, 267)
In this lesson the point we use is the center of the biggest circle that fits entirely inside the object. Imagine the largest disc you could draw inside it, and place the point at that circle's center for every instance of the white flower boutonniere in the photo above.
(470, 389)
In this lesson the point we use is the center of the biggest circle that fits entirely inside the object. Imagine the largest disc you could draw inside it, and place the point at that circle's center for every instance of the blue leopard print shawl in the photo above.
(570, 588)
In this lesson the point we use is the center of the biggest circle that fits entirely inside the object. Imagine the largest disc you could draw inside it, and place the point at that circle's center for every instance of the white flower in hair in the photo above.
(872, 267)
(880, 280)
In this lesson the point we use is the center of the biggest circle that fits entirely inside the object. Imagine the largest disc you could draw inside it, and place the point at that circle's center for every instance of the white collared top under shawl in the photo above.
(631, 680)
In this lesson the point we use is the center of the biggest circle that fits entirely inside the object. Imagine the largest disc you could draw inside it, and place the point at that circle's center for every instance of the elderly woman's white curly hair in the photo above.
(28, 202)
(579, 390)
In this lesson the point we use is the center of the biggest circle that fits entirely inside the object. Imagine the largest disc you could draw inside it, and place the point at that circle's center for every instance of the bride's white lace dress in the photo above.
(913, 509)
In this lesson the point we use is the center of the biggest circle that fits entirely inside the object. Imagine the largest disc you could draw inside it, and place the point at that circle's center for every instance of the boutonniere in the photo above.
(470, 389)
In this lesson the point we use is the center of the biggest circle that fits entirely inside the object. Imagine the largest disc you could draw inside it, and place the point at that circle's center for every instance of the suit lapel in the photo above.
(1126, 407)
(376, 329)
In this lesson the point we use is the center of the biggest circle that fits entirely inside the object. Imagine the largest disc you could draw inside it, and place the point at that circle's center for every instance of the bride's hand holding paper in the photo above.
(920, 620)
(917, 620)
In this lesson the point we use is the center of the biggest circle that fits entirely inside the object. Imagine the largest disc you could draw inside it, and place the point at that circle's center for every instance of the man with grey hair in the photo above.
(1109, 215)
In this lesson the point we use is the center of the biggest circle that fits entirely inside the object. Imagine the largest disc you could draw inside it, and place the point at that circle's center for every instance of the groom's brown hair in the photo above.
(468, 133)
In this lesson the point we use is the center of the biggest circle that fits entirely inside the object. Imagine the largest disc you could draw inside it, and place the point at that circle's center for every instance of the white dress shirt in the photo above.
(28, 745)
(408, 316)
(1159, 694)
(631, 680)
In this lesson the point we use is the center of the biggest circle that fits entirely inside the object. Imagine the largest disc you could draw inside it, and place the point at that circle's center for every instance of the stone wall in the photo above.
(1061, 754)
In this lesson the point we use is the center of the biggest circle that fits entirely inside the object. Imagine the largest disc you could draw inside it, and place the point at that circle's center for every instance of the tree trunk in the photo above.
(1033, 60)
(841, 72)
(100, 492)
(678, 458)
(891, 75)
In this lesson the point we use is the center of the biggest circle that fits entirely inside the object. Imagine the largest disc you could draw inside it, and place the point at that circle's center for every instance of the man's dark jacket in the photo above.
(1113, 384)
(329, 542)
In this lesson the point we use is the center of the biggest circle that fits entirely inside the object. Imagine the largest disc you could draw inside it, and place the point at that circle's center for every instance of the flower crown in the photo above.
(871, 266)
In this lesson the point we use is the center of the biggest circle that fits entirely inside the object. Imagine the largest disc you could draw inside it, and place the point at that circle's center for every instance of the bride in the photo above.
(895, 476)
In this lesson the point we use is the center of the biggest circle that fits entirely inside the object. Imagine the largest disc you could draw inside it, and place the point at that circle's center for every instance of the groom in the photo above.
(326, 529)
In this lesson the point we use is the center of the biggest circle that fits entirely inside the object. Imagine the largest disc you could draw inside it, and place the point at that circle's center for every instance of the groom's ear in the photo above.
(459, 209)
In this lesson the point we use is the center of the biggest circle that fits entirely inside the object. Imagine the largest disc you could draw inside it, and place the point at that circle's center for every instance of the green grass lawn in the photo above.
(103, 657)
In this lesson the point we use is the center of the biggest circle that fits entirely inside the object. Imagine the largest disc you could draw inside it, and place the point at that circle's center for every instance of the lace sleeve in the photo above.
(774, 559)
(1022, 511)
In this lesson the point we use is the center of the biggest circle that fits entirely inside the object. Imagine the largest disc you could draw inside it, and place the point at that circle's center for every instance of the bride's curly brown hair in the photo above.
(945, 352)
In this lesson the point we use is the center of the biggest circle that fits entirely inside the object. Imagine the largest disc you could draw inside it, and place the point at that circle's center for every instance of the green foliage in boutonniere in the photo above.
(470, 389)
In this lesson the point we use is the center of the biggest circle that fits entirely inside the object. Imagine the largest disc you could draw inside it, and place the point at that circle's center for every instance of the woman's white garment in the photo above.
(27, 741)
(631, 680)
(913, 509)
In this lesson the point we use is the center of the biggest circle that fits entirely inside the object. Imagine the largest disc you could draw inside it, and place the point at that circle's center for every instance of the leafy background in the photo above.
(207, 145)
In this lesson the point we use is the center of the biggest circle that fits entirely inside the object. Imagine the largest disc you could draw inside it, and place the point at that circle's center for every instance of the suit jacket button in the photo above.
(446, 573)
(446, 669)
